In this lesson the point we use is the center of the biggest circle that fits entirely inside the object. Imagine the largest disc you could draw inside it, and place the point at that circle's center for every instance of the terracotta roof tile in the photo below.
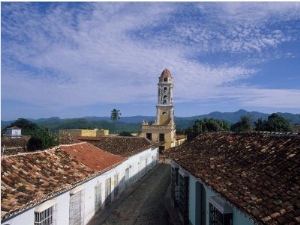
(124, 146)
(257, 173)
(93, 157)
(28, 178)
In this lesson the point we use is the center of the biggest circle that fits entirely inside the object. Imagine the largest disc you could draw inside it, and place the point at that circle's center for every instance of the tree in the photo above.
(275, 122)
(278, 123)
(42, 139)
(115, 116)
(243, 125)
(125, 134)
(206, 125)
(260, 125)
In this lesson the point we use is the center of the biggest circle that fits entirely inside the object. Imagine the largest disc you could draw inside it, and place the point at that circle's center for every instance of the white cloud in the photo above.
(114, 52)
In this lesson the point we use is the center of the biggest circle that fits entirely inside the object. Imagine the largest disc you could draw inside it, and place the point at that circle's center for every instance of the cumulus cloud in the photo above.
(70, 54)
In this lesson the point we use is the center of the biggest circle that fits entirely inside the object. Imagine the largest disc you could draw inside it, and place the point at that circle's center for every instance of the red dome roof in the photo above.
(166, 74)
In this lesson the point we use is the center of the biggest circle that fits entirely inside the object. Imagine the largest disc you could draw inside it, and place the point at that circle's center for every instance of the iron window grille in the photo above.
(45, 214)
(76, 215)
(220, 212)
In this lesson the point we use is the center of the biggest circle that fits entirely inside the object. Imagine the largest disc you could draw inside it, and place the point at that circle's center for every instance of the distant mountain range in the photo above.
(133, 123)
(230, 117)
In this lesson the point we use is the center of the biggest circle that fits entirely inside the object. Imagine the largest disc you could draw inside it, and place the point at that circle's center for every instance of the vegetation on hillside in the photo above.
(206, 125)
(40, 137)
(184, 125)
(274, 123)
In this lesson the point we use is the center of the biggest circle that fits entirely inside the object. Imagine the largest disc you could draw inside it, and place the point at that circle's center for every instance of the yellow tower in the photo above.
(163, 129)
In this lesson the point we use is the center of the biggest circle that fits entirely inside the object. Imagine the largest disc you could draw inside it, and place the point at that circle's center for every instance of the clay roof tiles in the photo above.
(124, 146)
(257, 173)
(29, 178)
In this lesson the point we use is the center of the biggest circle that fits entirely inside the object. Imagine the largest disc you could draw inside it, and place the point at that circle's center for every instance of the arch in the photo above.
(165, 99)
(165, 90)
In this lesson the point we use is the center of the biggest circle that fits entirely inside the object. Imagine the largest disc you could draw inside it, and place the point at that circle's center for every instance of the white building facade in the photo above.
(13, 132)
(80, 202)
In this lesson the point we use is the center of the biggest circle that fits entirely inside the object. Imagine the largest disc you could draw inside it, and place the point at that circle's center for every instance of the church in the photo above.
(163, 130)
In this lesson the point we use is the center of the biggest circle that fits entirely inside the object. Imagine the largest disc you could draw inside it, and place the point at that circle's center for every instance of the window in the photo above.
(174, 186)
(98, 198)
(45, 213)
(116, 184)
(127, 177)
(220, 212)
(149, 136)
(76, 206)
(183, 198)
(107, 191)
(161, 137)
(165, 90)
(164, 113)
(165, 99)
(161, 149)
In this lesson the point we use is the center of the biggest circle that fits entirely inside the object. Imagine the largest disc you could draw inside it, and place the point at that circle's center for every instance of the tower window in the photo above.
(161, 137)
(165, 99)
(165, 89)
(165, 113)
(165, 79)
(149, 136)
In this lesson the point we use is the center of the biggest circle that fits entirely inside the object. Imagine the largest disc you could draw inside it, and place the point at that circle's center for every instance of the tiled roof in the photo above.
(124, 146)
(92, 156)
(88, 138)
(14, 128)
(29, 178)
(179, 137)
(257, 173)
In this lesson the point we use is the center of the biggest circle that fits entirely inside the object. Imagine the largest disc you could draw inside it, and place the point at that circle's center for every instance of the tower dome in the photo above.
(165, 76)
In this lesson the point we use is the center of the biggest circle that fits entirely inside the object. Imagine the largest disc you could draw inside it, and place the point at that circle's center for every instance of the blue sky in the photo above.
(84, 59)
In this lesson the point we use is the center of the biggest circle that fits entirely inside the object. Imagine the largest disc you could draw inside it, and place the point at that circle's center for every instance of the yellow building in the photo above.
(85, 132)
(163, 130)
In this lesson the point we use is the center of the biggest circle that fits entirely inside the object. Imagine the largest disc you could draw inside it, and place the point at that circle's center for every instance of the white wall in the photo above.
(135, 164)
(13, 132)
(26, 218)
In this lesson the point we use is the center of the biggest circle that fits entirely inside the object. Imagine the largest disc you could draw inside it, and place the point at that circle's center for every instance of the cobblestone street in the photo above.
(142, 203)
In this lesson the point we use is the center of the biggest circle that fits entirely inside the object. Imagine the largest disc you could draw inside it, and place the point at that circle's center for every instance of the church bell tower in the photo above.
(163, 129)
(165, 108)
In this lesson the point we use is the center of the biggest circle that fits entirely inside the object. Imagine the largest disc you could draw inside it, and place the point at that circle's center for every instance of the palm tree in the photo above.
(115, 115)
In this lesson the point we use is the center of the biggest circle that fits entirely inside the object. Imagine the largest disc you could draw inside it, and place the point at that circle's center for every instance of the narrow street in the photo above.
(142, 203)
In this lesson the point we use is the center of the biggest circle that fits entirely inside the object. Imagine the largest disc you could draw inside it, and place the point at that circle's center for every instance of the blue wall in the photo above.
(195, 208)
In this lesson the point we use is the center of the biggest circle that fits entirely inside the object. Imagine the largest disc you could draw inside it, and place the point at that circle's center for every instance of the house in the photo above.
(13, 132)
(234, 179)
(67, 184)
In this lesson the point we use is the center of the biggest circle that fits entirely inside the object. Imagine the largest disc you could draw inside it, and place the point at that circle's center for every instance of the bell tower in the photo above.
(165, 108)
(162, 131)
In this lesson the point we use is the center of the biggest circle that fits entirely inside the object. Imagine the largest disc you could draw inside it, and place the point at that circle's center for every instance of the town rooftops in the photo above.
(30, 178)
(257, 173)
(124, 146)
